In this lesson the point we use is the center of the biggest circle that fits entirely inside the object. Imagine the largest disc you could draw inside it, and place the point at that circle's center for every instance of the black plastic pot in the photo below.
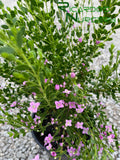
(40, 139)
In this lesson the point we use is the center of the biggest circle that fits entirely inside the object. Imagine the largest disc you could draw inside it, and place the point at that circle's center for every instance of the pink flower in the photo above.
(13, 104)
(110, 139)
(71, 105)
(74, 94)
(24, 83)
(11, 75)
(79, 110)
(75, 115)
(32, 127)
(46, 80)
(79, 85)
(64, 83)
(80, 40)
(68, 123)
(48, 139)
(62, 76)
(59, 104)
(51, 81)
(62, 136)
(72, 75)
(100, 151)
(68, 11)
(57, 87)
(36, 157)
(53, 154)
(52, 120)
(108, 128)
(101, 125)
(101, 137)
(73, 25)
(105, 133)
(83, 64)
(85, 130)
(79, 125)
(33, 107)
(71, 151)
(46, 61)
(61, 144)
(49, 146)
(26, 123)
(89, 23)
(33, 93)
(66, 91)
(66, 104)
(60, 85)
(97, 42)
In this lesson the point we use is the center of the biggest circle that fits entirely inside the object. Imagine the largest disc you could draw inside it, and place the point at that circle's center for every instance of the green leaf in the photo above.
(18, 75)
(6, 49)
(8, 56)
(10, 134)
(4, 26)
(117, 26)
(22, 67)
(19, 37)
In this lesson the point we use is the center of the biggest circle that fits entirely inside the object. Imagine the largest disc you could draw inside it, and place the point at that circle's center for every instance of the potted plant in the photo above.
(50, 67)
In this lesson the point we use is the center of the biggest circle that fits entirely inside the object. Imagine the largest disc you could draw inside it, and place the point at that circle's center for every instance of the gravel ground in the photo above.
(25, 148)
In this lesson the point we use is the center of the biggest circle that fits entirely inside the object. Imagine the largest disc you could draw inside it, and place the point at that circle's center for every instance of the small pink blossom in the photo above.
(51, 81)
(79, 125)
(24, 83)
(85, 130)
(73, 25)
(61, 85)
(63, 76)
(53, 154)
(13, 104)
(75, 115)
(46, 61)
(33, 107)
(101, 137)
(100, 151)
(105, 133)
(61, 144)
(83, 64)
(36, 157)
(64, 83)
(49, 146)
(72, 105)
(79, 110)
(66, 104)
(110, 139)
(46, 80)
(68, 11)
(62, 136)
(101, 125)
(68, 123)
(33, 93)
(97, 42)
(108, 128)
(32, 127)
(80, 40)
(66, 91)
(74, 94)
(57, 87)
(59, 104)
(48, 139)
(71, 151)
(72, 75)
